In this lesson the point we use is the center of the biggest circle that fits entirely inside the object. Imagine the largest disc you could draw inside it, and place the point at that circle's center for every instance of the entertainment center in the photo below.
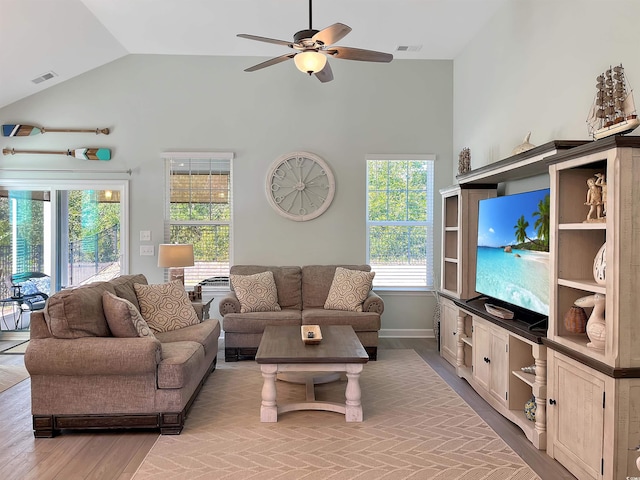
(587, 400)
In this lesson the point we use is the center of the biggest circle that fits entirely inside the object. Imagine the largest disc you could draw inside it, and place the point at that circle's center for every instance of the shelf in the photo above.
(528, 378)
(467, 340)
(519, 418)
(587, 285)
(583, 226)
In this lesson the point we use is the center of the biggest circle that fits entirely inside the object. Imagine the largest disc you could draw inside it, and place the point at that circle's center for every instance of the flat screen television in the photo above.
(512, 261)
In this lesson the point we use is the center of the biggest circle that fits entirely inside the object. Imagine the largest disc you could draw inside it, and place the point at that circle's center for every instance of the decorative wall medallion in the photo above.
(300, 186)
(600, 265)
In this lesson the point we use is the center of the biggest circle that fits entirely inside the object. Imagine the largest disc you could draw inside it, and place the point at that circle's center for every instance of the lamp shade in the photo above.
(310, 61)
(175, 255)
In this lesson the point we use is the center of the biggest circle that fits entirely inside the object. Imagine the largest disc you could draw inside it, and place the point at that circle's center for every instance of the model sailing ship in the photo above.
(613, 111)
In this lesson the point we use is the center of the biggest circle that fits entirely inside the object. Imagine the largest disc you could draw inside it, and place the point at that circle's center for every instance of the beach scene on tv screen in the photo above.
(513, 250)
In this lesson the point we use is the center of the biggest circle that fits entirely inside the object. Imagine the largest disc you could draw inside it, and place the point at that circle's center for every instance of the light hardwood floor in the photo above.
(117, 455)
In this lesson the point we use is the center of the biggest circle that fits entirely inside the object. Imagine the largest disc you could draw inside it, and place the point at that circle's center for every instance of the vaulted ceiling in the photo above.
(45, 42)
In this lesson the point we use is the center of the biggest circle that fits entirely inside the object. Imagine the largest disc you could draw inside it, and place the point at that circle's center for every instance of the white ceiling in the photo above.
(70, 37)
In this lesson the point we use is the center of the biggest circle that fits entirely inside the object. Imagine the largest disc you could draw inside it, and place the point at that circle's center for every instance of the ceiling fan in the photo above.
(312, 48)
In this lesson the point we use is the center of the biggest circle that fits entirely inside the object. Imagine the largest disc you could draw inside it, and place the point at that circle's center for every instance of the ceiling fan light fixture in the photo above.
(310, 61)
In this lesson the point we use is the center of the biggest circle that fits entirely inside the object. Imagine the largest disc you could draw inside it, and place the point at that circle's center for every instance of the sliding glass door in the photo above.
(57, 237)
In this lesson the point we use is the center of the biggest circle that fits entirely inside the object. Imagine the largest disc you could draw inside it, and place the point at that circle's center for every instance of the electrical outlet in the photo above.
(147, 250)
(145, 235)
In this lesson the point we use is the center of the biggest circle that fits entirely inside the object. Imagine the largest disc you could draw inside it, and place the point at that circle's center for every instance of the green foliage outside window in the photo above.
(397, 195)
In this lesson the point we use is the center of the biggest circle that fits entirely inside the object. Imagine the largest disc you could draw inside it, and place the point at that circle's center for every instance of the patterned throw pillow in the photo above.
(166, 306)
(256, 293)
(349, 290)
(123, 317)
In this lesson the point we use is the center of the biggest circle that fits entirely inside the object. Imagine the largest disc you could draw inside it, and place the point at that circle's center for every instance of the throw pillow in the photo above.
(256, 293)
(349, 290)
(165, 306)
(123, 317)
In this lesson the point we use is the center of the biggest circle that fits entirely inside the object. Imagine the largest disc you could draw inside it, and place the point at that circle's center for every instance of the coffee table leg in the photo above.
(353, 412)
(269, 408)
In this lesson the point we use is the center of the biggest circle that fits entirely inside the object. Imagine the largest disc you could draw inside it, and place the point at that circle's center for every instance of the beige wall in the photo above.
(534, 68)
(172, 103)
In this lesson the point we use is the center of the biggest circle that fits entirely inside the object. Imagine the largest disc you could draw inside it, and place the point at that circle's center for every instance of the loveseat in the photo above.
(88, 371)
(301, 295)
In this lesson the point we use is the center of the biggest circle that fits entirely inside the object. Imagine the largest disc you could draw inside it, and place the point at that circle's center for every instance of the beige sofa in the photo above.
(83, 378)
(302, 292)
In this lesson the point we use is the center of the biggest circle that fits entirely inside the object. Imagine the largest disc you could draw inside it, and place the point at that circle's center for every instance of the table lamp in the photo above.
(175, 256)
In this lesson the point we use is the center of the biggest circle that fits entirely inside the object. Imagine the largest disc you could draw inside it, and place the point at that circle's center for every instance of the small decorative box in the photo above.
(311, 334)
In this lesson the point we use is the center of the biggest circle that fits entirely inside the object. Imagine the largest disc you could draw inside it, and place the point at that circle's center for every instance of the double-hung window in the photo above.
(400, 221)
(199, 210)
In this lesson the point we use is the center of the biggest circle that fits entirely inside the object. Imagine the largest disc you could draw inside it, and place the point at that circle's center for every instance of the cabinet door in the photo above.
(491, 359)
(499, 363)
(448, 331)
(575, 417)
(481, 354)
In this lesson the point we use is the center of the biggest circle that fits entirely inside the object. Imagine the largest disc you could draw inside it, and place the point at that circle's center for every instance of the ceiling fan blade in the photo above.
(265, 39)
(273, 61)
(325, 75)
(349, 53)
(331, 34)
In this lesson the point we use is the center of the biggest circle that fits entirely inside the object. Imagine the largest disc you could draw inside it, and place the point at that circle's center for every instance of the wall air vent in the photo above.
(408, 48)
(44, 77)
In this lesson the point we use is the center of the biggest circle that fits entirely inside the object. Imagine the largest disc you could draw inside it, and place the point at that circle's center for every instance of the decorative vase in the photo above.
(575, 320)
(600, 266)
(530, 409)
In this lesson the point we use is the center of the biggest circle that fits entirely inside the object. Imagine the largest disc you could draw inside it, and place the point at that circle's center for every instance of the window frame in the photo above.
(168, 222)
(429, 223)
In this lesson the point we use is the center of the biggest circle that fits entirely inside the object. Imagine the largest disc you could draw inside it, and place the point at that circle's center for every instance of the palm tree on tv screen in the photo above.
(541, 225)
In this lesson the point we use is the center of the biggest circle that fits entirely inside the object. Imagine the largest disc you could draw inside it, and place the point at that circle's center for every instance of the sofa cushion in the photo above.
(205, 333)
(166, 306)
(124, 287)
(348, 290)
(123, 317)
(317, 280)
(77, 312)
(287, 282)
(360, 321)
(180, 363)
(256, 321)
(256, 293)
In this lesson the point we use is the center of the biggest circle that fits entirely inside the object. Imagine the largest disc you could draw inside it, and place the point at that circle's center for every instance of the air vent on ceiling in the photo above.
(44, 77)
(408, 48)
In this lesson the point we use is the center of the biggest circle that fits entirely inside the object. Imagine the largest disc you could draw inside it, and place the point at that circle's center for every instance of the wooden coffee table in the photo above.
(282, 350)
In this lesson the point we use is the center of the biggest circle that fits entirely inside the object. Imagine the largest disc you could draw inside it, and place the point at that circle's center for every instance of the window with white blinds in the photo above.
(199, 210)
(400, 221)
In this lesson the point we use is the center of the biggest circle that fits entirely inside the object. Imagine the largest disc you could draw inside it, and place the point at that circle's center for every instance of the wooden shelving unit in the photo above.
(467, 339)
(596, 437)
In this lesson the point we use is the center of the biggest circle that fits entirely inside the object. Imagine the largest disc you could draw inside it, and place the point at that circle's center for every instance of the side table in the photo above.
(202, 308)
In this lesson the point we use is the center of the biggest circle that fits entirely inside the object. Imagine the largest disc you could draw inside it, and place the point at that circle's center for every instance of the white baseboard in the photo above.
(406, 333)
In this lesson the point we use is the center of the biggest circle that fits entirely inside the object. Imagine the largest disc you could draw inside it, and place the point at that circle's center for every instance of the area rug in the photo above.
(11, 375)
(415, 427)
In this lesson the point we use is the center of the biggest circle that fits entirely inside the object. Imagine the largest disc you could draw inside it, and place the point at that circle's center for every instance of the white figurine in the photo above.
(594, 200)
(596, 327)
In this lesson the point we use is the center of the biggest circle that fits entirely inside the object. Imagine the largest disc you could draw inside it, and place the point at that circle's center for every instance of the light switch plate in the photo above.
(145, 235)
(147, 250)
